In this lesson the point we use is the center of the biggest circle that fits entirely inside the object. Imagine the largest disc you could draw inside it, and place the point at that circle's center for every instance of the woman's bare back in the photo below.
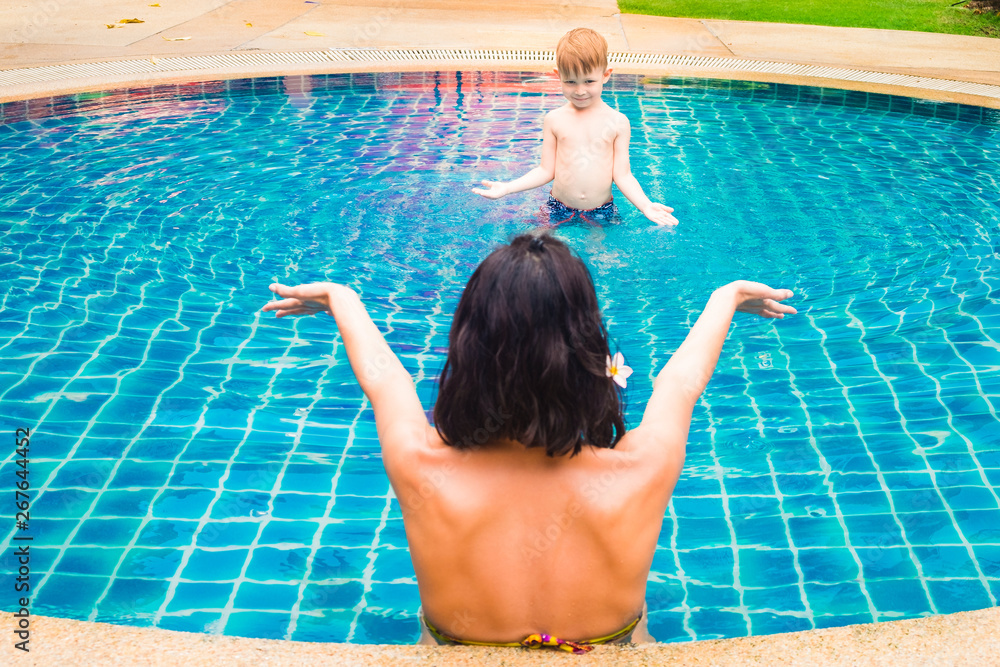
(507, 542)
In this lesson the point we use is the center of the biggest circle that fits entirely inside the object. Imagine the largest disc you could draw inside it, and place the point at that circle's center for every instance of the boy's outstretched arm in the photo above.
(535, 178)
(399, 417)
(627, 183)
(664, 428)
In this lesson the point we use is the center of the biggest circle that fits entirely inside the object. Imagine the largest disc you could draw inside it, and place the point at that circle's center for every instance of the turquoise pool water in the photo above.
(196, 465)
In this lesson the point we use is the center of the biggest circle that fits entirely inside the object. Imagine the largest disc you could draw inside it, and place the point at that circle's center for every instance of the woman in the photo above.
(531, 515)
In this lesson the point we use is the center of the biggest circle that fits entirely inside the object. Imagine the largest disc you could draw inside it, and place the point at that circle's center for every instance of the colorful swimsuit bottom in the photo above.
(537, 640)
(558, 213)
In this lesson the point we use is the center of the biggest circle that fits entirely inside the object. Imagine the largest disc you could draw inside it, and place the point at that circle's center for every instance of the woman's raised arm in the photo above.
(665, 423)
(399, 417)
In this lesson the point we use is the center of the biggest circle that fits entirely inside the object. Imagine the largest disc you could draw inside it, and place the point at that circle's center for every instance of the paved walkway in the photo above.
(42, 32)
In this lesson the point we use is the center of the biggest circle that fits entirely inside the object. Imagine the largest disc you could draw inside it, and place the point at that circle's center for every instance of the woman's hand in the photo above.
(759, 299)
(302, 299)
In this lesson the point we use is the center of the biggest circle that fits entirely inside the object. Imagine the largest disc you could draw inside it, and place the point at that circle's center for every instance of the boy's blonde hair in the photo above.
(581, 51)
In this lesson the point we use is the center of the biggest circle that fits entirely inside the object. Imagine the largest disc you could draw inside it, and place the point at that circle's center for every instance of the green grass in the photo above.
(920, 15)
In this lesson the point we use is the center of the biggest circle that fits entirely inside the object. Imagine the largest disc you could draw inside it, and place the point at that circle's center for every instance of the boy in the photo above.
(584, 143)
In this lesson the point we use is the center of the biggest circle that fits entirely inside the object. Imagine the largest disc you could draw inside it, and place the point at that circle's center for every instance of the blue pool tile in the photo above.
(764, 531)
(798, 484)
(839, 621)
(334, 626)
(763, 568)
(204, 565)
(756, 485)
(200, 596)
(874, 530)
(708, 565)
(816, 531)
(107, 532)
(63, 503)
(271, 596)
(89, 560)
(885, 562)
(863, 502)
(312, 478)
(697, 507)
(754, 506)
(929, 528)
(766, 623)
(970, 498)
(394, 564)
(288, 532)
(716, 624)
(692, 486)
(227, 533)
(338, 563)
(319, 597)
(669, 626)
(917, 500)
(350, 533)
(944, 561)
(270, 564)
(240, 504)
(838, 598)
(959, 595)
(355, 507)
(267, 625)
(374, 628)
(124, 503)
(140, 474)
(182, 503)
(712, 597)
(198, 621)
(68, 595)
(811, 505)
(150, 563)
(827, 565)
(392, 598)
(665, 595)
(898, 596)
(703, 532)
(304, 506)
(908, 480)
(394, 534)
(248, 476)
(167, 533)
(90, 474)
(779, 598)
(196, 475)
(98, 448)
(157, 449)
(854, 482)
(988, 556)
(131, 599)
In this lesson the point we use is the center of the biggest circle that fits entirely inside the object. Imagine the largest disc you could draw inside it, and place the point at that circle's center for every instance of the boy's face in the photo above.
(583, 90)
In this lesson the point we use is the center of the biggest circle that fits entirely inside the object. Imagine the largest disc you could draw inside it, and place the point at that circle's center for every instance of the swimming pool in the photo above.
(201, 466)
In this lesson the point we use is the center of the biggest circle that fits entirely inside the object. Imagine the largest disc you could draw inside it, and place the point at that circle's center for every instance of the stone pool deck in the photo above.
(55, 32)
(966, 638)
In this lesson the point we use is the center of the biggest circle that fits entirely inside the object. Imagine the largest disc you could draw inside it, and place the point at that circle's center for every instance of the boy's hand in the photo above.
(494, 190)
(660, 214)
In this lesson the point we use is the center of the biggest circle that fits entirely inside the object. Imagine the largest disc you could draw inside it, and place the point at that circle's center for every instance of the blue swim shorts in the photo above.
(557, 213)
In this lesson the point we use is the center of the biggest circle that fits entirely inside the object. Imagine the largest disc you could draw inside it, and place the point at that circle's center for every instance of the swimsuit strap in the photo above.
(541, 640)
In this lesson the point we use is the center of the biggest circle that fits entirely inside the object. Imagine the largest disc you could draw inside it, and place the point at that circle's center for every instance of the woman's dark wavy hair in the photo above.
(527, 355)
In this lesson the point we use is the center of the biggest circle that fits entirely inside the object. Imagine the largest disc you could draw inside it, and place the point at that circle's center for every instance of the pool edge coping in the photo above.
(99, 75)
(970, 636)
